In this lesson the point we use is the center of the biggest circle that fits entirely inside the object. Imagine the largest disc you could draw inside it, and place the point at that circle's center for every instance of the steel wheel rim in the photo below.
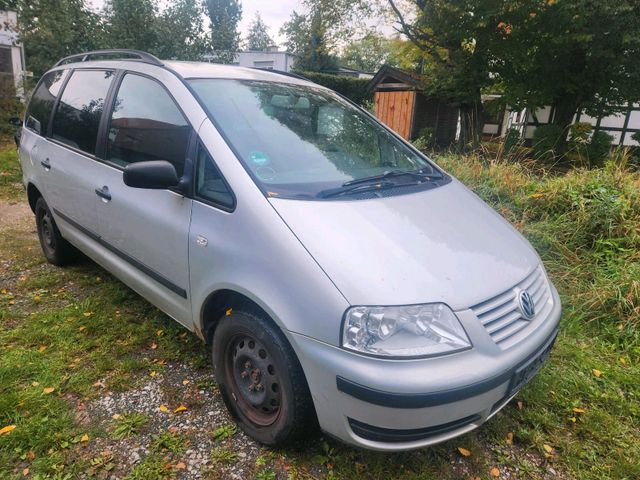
(46, 228)
(255, 382)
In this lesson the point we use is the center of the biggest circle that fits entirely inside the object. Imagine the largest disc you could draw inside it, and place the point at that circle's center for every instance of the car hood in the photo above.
(438, 245)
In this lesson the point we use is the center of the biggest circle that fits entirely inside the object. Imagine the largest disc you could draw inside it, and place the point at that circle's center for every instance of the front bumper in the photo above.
(394, 405)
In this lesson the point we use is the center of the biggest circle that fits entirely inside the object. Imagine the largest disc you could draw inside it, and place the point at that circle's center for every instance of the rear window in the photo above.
(77, 117)
(41, 105)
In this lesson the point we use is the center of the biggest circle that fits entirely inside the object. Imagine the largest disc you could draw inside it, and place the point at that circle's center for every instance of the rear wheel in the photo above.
(55, 248)
(261, 380)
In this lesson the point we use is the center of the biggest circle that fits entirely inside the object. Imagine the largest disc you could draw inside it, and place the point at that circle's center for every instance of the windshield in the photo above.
(305, 142)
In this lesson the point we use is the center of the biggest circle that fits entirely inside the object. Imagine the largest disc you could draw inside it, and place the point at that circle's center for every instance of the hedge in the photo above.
(354, 89)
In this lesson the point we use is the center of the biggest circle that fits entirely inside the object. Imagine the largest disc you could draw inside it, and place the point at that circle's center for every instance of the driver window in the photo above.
(146, 124)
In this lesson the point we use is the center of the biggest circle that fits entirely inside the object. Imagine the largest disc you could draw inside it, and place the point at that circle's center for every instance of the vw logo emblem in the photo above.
(527, 307)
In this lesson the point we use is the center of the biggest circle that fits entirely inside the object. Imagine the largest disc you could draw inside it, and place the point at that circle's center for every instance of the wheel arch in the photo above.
(219, 302)
(32, 196)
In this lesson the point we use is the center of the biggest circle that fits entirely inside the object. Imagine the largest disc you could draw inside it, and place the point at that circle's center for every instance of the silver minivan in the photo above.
(340, 277)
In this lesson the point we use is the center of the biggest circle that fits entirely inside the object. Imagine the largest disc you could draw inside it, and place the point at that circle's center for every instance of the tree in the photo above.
(573, 55)
(456, 38)
(181, 32)
(225, 39)
(52, 29)
(314, 35)
(258, 37)
(131, 24)
(368, 54)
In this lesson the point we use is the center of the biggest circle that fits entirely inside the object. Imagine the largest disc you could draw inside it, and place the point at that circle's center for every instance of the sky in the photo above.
(273, 12)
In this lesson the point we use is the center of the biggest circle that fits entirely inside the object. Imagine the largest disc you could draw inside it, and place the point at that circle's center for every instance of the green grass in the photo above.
(10, 173)
(129, 424)
(70, 328)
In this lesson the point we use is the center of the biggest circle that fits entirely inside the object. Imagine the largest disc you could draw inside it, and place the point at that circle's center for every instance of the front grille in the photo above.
(501, 314)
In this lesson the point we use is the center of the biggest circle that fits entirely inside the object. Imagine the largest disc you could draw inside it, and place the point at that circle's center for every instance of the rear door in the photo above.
(69, 155)
(147, 229)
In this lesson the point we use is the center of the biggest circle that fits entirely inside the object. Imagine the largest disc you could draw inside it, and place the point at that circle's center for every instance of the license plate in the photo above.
(527, 371)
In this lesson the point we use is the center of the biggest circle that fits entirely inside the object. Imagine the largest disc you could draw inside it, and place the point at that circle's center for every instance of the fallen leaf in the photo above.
(31, 454)
(536, 195)
(82, 328)
(35, 384)
(11, 302)
(464, 452)
(510, 438)
(99, 383)
(185, 382)
(159, 333)
(42, 348)
(181, 408)
(7, 429)
(163, 408)
(494, 472)
(577, 410)
(25, 472)
(623, 361)
(520, 405)
(180, 466)
(573, 419)
(548, 449)
(84, 438)
(87, 314)
(173, 429)
(116, 416)
(48, 390)
(597, 372)
(153, 374)
(229, 312)
(153, 345)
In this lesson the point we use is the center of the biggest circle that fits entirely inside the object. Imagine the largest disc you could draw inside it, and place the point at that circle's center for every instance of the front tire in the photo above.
(261, 380)
(55, 248)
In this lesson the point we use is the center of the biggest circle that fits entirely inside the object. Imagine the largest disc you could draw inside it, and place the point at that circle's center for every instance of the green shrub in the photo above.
(546, 139)
(425, 139)
(599, 148)
(578, 144)
(512, 139)
(355, 89)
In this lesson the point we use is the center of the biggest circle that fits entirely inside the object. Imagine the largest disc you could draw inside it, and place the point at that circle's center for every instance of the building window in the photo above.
(265, 65)
(6, 65)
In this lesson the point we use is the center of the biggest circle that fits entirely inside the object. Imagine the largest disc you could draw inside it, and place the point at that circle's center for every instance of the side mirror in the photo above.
(15, 121)
(154, 174)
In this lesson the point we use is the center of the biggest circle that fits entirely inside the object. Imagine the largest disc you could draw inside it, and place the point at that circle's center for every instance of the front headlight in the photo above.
(405, 331)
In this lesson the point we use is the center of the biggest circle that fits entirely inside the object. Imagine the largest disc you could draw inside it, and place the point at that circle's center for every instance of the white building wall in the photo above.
(282, 61)
(9, 39)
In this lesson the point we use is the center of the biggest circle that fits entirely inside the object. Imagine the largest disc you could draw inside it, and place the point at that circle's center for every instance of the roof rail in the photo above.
(123, 53)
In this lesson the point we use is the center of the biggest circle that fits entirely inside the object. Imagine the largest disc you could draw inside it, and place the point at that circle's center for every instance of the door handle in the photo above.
(103, 193)
(46, 164)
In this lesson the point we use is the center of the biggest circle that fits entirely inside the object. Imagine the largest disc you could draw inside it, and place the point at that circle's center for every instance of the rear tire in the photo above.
(55, 248)
(261, 380)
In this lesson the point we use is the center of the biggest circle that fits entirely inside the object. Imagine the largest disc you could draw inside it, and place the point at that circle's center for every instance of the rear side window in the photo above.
(209, 182)
(41, 105)
(77, 117)
(146, 124)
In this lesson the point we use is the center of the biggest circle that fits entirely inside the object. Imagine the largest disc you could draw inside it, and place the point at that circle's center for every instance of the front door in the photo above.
(147, 230)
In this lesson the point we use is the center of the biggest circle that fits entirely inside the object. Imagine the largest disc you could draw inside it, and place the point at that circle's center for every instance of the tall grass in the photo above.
(584, 223)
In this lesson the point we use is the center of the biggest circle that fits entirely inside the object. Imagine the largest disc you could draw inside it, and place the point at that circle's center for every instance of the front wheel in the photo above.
(57, 250)
(261, 380)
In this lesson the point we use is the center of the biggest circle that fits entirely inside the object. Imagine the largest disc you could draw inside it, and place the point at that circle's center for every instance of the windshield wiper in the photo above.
(358, 188)
(419, 174)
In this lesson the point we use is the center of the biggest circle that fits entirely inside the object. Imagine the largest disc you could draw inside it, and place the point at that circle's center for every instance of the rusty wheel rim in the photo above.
(254, 378)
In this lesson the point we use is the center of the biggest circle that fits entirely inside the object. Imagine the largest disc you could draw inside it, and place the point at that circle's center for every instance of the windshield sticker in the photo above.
(259, 158)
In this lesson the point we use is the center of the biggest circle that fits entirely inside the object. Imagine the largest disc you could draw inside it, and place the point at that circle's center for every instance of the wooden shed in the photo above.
(401, 105)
